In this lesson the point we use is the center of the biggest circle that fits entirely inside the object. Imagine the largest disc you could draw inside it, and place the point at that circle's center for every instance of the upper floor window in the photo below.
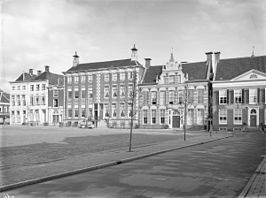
(89, 78)
(18, 87)
(237, 95)
(130, 91)
(122, 91)
(179, 78)
(106, 77)
(32, 87)
(23, 87)
(55, 92)
(153, 97)
(166, 80)
(253, 96)
(83, 93)
(43, 86)
(69, 94)
(190, 95)
(55, 102)
(162, 97)
(122, 109)
(13, 88)
(171, 97)
(180, 97)
(171, 79)
(114, 90)
(38, 87)
(106, 91)
(90, 92)
(122, 76)
(223, 96)
(237, 116)
(114, 110)
(130, 75)
(69, 79)
(76, 79)
(114, 77)
(76, 94)
(200, 95)
(83, 78)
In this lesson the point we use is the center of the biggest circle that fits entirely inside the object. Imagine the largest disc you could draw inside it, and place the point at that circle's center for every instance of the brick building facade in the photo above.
(101, 91)
(4, 107)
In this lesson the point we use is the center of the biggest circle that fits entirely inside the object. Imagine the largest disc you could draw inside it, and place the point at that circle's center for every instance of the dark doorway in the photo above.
(253, 120)
(176, 121)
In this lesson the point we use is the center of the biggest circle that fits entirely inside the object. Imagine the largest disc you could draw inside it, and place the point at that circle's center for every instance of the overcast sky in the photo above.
(35, 33)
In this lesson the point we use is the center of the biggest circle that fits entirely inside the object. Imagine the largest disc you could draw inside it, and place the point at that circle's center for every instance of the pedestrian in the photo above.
(262, 127)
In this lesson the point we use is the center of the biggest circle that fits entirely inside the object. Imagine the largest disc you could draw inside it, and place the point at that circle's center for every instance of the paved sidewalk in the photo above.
(64, 167)
(256, 186)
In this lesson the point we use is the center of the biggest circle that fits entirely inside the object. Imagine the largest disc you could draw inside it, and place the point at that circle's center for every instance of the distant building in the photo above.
(166, 89)
(101, 91)
(239, 93)
(4, 107)
(30, 97)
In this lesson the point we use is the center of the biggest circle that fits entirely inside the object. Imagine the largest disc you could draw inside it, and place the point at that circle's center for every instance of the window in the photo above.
(43, 100)
(171, 97)
(13, 100)
(32, 87)
(55, 93)
(31, 100)
(37, 100)
(162, 115)
(223, 116)
(89, 78)
(83, 93)
(114, 77)
(122, 90)
(106, 77)
(153, 116)
(76, 113)
(76, 79)
(145, 116)
(37, 87)
(122, 109)
(114, 90)
(200, 95)
(106, 91)
(56, 102)
(18, 100)
(130, 113)
(69, 79)
(190, 95)
(106, 109)
(238, 96)
(83, 112)
(24, 87)
(179, 78)
(153, 97)
(13, 88)
(223, 96)
(166, 80)
(180, 97)
(69, 95)
(76, 94)
(162, 97)
(69, 113)
(171, 79)
(90, 93)
(130, 75)
(253, 96)
(23, 100)
(43, 87)
(83, 78)
(18, 88)
(122, 76)
(237, 116)
(114, 109)
(130, 91)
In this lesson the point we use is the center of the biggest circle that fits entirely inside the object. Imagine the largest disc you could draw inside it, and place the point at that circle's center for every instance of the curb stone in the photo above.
(99, 166)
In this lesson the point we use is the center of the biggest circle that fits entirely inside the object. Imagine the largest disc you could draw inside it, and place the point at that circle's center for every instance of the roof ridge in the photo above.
(104, 61)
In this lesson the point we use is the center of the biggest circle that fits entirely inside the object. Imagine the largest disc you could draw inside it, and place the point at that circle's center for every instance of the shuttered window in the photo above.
(223, 96)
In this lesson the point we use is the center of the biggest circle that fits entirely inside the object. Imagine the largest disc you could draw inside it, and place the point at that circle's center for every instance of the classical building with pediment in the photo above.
(239, 93)
(166, 91)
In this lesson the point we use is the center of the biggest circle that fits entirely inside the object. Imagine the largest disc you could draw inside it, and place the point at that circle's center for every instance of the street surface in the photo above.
(217, 169)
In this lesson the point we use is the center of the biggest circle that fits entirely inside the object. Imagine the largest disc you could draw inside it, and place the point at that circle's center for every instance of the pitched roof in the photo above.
(195, 71)
(228, 69)
(4, 97)
(151, 74)
(26, 77)
(101, 65)
(51, 77)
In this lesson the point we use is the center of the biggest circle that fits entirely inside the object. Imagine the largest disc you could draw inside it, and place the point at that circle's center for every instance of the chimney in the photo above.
(134, 54)
(147, 62)
(75, 59)
(39, 72)
(209, 57)
(209, 65)
(46, 68)
(216, 60)
(31, 72)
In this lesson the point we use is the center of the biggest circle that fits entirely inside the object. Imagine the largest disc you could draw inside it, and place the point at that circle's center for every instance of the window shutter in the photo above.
(263, 96)
(243, 96)
(232, 96)
(227, 97)
(258, 94)
(216, 97)
(247, 96)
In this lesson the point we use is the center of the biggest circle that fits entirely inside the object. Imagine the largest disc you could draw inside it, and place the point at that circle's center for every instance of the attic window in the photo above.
(253, 76)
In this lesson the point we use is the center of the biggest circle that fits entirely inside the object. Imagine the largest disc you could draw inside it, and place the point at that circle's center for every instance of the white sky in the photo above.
(35, 33)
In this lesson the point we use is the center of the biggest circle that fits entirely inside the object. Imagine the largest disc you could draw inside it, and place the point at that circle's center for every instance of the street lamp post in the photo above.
(185, 110)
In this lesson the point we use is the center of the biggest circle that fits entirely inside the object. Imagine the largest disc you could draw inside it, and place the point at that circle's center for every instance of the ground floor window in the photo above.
(153, 116)
(76, 113)
(200, 116)
(145, 116)
(223, 116)
(162, 115)
(237, 116)
(83, 112)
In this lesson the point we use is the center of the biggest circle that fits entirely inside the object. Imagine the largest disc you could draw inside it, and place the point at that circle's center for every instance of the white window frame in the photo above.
(55, 93)
(162, 97)
(171, 97)
(114, 77)
(90, 78)
(122, 76)
(83, 78)
(130, 75)
(162, 112)
(154, 97)
(153, 110)
(114, 91)
(107, 77)
(122, 91)
(223, 96)
(114, 110)
(220, 114)
(238, 115)
(145, 112)
(253, 96)
(69, 79)
(76, 79)
(106, 91)
(238, 96)
(90, 92)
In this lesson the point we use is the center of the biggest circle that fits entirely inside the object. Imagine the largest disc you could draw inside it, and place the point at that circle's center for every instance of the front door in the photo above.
(253, 120)
(176, 121)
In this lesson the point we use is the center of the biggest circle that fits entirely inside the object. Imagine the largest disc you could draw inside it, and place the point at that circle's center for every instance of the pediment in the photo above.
(251, 75)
